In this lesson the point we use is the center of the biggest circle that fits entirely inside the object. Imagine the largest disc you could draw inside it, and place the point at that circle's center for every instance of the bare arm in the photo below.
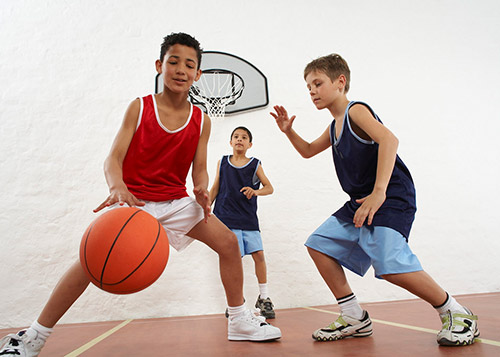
(304, 148)
(266, 189)
(214, 191)
(199, 172)
(388, 145)
(118, 192)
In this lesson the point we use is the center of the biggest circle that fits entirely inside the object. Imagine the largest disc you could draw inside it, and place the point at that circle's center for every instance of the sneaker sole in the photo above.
(336, 338)
(445, 342)
(362, 332)
(252, 338)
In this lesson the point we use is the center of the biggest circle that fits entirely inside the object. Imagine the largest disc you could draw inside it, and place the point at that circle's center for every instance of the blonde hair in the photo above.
(333, 66)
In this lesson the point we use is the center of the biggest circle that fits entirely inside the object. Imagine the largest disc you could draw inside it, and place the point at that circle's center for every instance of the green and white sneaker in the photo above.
(345, 326)
(458, 329)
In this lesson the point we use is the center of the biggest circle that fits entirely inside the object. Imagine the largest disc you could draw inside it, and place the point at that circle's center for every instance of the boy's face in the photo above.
(179, 68)
(322, 90)
(240, 141)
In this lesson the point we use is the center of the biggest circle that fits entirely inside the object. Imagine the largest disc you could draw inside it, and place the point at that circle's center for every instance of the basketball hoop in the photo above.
(215, 90)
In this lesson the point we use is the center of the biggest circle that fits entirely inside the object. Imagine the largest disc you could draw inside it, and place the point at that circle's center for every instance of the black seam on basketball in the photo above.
(112, 246)
(145, 258)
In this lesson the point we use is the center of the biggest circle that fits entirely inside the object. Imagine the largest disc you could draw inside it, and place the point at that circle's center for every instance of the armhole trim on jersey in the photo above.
(347, 118)
(202, 121)
(220, 165)
(141, 110)
(255, 178)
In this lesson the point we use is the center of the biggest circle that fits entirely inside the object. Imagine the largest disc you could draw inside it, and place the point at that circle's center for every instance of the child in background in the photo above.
(235, 191)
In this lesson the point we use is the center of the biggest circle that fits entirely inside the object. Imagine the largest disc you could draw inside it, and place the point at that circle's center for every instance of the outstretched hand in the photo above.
(282, 119)
(121, 196)
(203, 199)
(369, 206)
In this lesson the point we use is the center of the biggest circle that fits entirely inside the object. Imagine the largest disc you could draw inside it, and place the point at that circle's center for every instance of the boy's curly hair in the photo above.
(180, 38)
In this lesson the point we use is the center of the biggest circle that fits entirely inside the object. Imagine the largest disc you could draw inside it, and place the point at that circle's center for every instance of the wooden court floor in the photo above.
(400, 328)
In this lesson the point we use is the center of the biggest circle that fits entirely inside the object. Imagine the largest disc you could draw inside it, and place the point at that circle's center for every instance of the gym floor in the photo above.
(400, 328)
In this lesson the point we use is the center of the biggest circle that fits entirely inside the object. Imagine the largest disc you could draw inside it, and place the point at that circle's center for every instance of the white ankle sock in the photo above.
(41, 331)
(349, 306)
(264, 294)
(236, 310)
(450, 304)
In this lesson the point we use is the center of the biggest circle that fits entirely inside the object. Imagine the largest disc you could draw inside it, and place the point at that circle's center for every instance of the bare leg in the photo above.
(332, 272)
(260, 266)
(420, 284)
(218, 237)
(69, 288)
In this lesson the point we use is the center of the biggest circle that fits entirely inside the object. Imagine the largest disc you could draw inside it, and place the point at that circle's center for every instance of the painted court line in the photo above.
(96, 340)
(409, 327)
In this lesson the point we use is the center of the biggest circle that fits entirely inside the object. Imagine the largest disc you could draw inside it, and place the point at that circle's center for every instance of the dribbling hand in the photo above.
(120, 196)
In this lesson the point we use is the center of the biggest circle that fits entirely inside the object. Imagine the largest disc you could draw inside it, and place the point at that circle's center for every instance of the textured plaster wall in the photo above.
(68, 69)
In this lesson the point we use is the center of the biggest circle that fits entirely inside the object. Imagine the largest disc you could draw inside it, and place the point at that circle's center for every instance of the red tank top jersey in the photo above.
(158, 160)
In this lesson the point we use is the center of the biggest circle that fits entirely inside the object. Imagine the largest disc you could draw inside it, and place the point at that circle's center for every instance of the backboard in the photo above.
(247, 84)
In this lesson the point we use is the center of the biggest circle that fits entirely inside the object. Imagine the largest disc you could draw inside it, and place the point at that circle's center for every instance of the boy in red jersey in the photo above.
(161, 137)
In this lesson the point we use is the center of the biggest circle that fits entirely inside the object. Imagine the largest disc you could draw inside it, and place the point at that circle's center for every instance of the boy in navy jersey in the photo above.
(372, 228)
(161, 138)
(235, 189)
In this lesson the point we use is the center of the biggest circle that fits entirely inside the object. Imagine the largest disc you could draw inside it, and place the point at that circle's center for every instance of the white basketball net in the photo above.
(215, 90)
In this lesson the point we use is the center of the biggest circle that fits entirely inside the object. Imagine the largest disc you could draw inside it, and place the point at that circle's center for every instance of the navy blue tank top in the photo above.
(355, 162)
(232, 207)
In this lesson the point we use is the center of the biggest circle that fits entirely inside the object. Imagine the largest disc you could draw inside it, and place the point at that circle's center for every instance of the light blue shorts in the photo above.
(249, 241)
(357, 248)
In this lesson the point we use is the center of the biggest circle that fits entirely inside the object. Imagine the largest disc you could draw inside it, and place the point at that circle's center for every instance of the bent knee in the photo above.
(258, 256)
(229, 244)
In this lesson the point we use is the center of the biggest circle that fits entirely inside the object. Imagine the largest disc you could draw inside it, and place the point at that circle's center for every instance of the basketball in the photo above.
(124, 250)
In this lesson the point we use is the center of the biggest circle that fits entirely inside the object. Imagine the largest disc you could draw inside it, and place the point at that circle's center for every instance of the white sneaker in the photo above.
(248, 327)
(458, 329)
(345, 326)
(21, 344)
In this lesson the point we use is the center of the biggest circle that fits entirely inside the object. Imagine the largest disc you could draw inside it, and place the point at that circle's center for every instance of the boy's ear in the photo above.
(158, 65)
(342, 81)
(198, 75)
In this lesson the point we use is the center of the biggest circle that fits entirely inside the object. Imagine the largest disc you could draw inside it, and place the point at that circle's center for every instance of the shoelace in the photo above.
(14, 342)
(451, 319)
(261, 320)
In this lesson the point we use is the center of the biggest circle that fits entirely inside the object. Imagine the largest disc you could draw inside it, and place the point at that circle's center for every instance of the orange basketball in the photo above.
(124, 250)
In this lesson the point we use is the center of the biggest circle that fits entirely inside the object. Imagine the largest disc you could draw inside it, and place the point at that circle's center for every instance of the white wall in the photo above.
(69, 69)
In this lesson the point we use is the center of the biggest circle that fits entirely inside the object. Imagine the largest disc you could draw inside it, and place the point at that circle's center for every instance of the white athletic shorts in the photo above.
(177, 217)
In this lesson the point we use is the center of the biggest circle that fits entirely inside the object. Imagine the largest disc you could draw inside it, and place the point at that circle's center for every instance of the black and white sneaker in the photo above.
(345, 326)
(266, 307)
(21, 344)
